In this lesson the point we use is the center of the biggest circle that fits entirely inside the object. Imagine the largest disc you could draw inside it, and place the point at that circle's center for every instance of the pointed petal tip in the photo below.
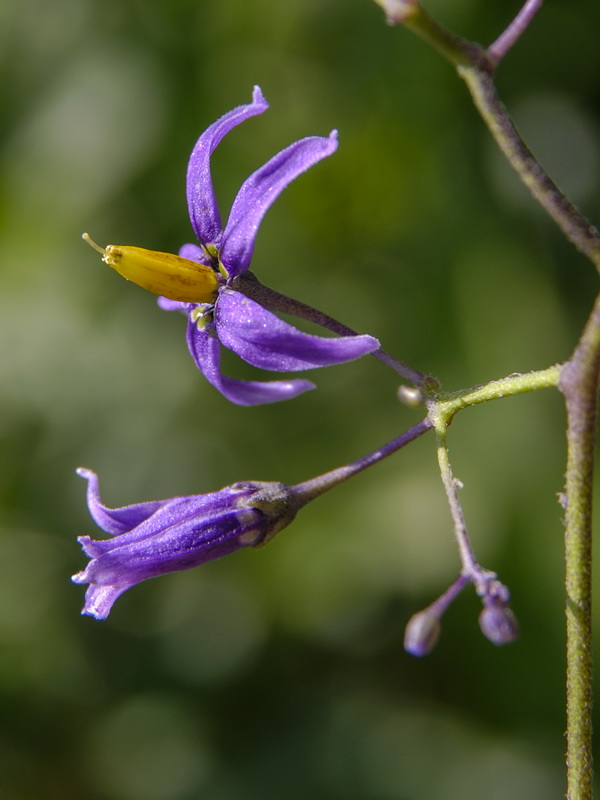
(258, 97)
(89, 612)
(256, 393)
(262, 339)
(84, 472)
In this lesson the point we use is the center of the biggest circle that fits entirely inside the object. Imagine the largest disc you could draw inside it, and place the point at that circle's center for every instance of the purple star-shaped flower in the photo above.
(161, 536)
(234, 320)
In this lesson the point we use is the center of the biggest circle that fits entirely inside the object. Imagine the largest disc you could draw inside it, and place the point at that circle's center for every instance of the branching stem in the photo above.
(515, 30)
(577, 379)
(476, 66)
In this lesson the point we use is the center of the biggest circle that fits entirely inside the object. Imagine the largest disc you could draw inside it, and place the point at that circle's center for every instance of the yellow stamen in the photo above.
(164, 274)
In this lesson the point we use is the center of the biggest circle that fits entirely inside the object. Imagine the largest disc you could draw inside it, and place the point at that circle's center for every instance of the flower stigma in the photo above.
(164, 274)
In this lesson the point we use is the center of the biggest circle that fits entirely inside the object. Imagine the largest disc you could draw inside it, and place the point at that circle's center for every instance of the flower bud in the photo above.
(498, 623)
(421, 634)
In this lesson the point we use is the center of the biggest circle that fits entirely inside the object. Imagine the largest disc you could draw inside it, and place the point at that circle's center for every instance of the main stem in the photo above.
(579, 384)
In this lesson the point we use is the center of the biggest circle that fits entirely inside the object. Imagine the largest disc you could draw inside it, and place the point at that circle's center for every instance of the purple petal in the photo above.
(181, 532)
(260, 190)
(205, 351)
(187, 542)
(263, 340)
(99, 599)
(176, 510)
(202, 204)
(115, 520)
(175, 305)
(194, 253)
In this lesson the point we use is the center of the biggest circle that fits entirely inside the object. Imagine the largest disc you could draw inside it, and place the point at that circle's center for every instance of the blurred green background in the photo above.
(280, 673)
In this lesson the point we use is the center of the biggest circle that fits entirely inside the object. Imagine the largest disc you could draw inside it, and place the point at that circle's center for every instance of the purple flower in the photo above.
(162, 536)
(232, 319)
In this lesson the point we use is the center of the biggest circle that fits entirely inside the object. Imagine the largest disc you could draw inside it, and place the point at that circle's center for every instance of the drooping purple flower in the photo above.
(162, 536)
(257, 335)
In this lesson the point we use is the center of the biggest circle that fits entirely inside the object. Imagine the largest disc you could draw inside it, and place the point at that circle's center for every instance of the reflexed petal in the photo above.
(260, 190)
(99, 599)
(205, 352)
(182, 532)
(265, 341)
(115, 520)
(202, 204)
(187, 542)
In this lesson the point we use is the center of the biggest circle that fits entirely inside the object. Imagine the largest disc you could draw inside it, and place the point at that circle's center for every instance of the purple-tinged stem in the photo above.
(248, 284)
(314, 487)
(579, 384)
(475, 65)
(439, 606)
(569, 219)
(514, 31)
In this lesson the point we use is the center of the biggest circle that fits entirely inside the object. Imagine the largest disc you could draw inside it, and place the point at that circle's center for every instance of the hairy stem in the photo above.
(569, 219)
(518, 383)
(476, 66)
(451, 485)
(579, 384)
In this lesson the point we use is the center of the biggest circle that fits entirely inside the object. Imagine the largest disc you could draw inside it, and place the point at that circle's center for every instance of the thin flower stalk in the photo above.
(496, 620)
(509, 37)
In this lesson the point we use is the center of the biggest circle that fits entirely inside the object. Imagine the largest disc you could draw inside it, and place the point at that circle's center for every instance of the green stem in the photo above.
(486, 583)
(467, 556)
(579, 384)
(453, 48)
(445, 406)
